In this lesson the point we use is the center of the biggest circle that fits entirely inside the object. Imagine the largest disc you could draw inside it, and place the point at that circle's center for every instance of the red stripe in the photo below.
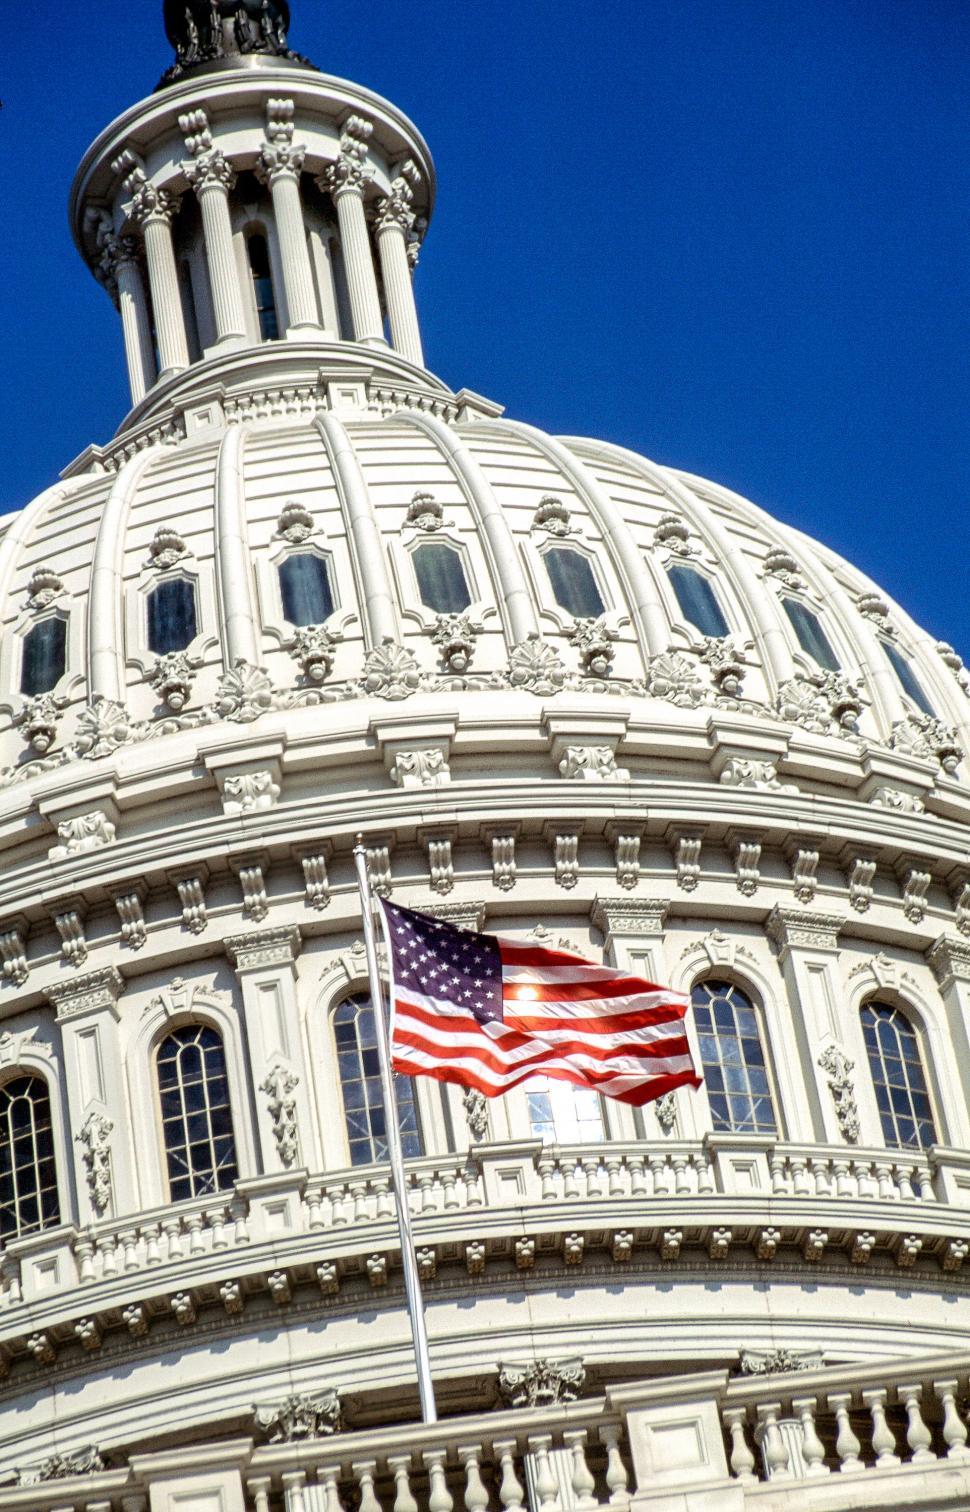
(560, 1049)
(457, 1022)
(607, 1023)
(537, 955)
(578, 991)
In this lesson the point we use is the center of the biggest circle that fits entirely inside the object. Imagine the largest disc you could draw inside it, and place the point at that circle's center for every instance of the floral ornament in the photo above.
(780, 563)
(845, 699)
(38, 720)
(44, 587)
(534, 665)
(301, 1417)
(552, 515)
(673, 535)
(390, 671)
(102, 727)
(456, 635)
(927, 738)
(593, 640)
(244, 693)
(671, 676)
(801, 701)
(726, 663)
(424, 512)
(167, 547)
(295, 523)
(954, 661)
(314, 647)
(172, 676)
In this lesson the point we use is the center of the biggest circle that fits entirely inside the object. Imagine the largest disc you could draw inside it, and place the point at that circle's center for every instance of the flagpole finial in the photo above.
(359, 846)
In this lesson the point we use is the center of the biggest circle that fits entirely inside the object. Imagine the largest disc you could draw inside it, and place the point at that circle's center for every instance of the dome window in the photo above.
(561, 1113)
(360, 1080)
(193, 1087)
(898, 1079)
(733, 1058)
(172, 620)
(442, 583)
(698, 601)
(810, 635)
(573, 582)
(44, 656)
(306, 589)
(257, 250)
(907, 678)
(28, 1173)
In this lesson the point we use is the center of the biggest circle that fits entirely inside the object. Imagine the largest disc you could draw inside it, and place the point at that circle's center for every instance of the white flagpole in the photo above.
(412, 1281)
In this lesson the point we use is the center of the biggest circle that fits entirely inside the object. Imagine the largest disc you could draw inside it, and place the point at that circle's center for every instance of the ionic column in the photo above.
(393, 225)
(280, 166)
(212, 176)
(153, 210)
(121, 275)
(344, 180)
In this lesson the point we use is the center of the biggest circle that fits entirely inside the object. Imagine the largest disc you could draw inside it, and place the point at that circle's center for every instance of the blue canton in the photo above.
(440, 961)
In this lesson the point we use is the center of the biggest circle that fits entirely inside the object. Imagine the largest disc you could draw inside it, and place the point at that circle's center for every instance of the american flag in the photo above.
(489, 1013)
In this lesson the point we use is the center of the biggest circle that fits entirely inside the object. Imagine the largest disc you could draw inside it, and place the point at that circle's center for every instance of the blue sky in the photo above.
(732, 234)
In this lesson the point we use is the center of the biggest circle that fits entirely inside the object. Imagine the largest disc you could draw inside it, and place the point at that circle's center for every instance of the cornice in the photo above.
(797, 929)
(278, 946)
(88, 993)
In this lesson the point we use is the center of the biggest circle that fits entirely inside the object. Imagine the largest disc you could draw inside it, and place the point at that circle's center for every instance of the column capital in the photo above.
(394, 210)
(86, 994)
(626, 917)
(350, 172)
(949, 959)
(210, 170)
(264, 947)
(794, 929)
(280, 160)
(151, 204)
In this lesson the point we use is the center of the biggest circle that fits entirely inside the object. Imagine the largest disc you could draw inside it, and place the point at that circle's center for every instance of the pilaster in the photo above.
(808, 954)
(633, 931)
(949, 960)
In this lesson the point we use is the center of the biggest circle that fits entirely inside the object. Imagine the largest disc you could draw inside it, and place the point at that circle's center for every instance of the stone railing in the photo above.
(780, 1441)
(669, 1196)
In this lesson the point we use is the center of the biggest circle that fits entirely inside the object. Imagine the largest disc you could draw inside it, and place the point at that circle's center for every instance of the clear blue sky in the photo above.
(732, 234)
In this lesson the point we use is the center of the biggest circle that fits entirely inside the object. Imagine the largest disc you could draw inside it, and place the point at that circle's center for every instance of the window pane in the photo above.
(28, 1183)
(305, 589)
(196, 1113)
(733, 1059)
(441, 578)
(44, 656)
(269, 327)
(171, 616)
(573, 582)
(561, 1113)
(810, 635)
(908, 680)
(697, 600)
(896, 1067)
(355, 1033)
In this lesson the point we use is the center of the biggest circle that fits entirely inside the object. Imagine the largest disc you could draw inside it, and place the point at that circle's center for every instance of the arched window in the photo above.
(442, 583)
(810, 635)
(257, 250)
(898, 1079)
(28, 1174)
(562, 1113)
(172, 622)
(193, 1088)
(573, 582)
(908, 681)
(697, 600)
(43, 656)
(360, 1081)
(306, 589)
(733, 1059)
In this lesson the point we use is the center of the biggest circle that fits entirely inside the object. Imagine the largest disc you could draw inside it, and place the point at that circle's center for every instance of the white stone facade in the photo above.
(177, 827)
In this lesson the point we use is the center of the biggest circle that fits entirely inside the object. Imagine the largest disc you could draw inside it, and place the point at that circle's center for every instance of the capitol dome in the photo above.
(565, 693)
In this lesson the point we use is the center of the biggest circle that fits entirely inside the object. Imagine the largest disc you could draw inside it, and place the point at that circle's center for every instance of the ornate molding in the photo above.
(62, 1467)
(82, 834)
(793, 929)
(350, 172)
(475, 1105)
(279, 1086)
(249, 792)
(299, 1418)
(542, 1383)
(12, 1047)
(757, 776)
(13, 955)
(591, 764)
(949, 959)
(838, 1070)
(455, 634)
(314, 647)
(630, 918)
(420, 766)
(759, 1362)
(462, 915)
(93, 991)
(264, 947)
(93, 1137)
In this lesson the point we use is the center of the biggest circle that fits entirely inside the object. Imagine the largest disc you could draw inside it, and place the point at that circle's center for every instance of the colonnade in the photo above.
(153, 318)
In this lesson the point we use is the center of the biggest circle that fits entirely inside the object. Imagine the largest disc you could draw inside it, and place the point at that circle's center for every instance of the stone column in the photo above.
(100, 1121)
(121, 275)
(811, 1018)
(344, 180)
(265, 963)
(949, 958)
(395, 220)
(153, 210)
(212, 176)
(280, 166)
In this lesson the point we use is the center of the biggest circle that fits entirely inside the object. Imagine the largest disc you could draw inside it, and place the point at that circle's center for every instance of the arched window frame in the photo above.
(363, 991)
(246, 224)
(270, 598)
(55, 611)
(32, 1059)
(199, 574)
(681, 627)
(547, 596)
(533, 548)
(878, 1000)
(439, 1105)
(174, 1008)
(783, 1078)
(43, 1076)
(831, 629)
(948, 1082)
(190, 1024)
(406, 541)
(888, 644)
(310, 549)
(419, 543)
